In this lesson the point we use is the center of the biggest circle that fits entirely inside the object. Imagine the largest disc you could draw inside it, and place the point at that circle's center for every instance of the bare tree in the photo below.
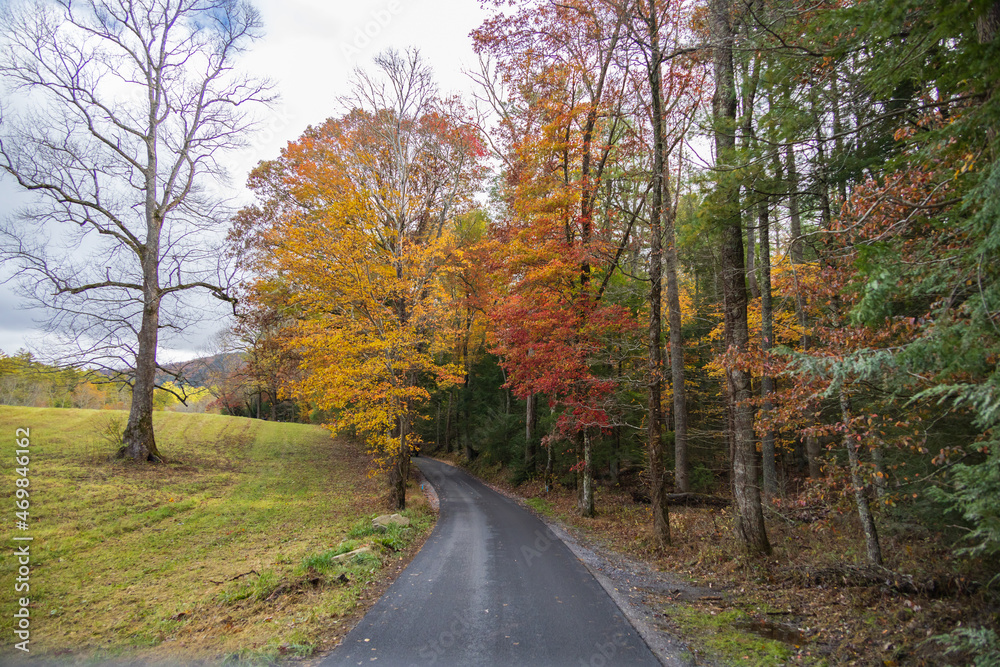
(746, 494)
(123, 109)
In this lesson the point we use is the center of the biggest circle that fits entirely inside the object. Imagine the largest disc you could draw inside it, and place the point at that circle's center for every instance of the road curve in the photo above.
(491, 586)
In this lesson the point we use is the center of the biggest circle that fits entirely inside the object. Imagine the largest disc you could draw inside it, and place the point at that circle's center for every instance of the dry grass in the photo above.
(199, 559)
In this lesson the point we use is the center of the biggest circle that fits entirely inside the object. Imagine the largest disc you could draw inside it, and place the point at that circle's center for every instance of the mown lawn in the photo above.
(221, 554)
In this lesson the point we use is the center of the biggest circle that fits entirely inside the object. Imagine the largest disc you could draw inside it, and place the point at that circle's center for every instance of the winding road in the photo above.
(491, 586)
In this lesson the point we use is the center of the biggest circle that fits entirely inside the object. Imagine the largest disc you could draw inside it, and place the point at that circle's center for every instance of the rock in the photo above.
(351, 554)
(382, 523)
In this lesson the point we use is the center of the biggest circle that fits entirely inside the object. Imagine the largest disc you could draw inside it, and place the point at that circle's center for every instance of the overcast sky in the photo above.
(309, 51)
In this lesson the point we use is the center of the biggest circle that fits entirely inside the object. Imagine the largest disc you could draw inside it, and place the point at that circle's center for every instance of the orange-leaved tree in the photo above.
(353, 231)
(551, 74)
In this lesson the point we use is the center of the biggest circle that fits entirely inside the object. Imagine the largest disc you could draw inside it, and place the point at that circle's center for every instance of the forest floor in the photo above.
(812, 602)
(222, 554)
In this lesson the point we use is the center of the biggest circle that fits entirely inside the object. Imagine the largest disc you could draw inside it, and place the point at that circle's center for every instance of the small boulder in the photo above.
(351, 554)
(382, 523)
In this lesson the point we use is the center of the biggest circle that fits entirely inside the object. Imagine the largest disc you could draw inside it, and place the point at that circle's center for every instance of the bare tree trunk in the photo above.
(682, 470)
(530, 427)
(822, 182)
(746, 494)
(548, 467)
(447, 423)
(881, 478)
(872, 549)
(814, 452)
(400, 471)
(751, 262)
(988, 23)
(138, 440)
(586, 497)
(654, 421)
(139, 443)
(768, 465)
(437, 426)
(466, 438)
(794, 218)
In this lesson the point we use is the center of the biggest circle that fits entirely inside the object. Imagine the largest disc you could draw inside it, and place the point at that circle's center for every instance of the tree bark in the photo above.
(746, 494)
(794, 218)
(437, 425)
(586, 478)
(988, 23)
(530, 427)
(654, 421)
(466, 438)
(872, 549)
(682, 470)
(751, 258)
(138, 441)
(447, 423)
(768, 466)
(881, 477)
(548, 467)
(400, 471)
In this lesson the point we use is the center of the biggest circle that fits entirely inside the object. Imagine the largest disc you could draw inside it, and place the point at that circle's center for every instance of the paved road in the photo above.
(491, 586)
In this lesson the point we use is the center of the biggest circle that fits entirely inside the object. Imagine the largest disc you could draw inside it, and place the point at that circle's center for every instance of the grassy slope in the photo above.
(126, 558)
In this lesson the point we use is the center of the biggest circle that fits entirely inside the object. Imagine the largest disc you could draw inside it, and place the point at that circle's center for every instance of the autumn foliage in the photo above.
(353, 237)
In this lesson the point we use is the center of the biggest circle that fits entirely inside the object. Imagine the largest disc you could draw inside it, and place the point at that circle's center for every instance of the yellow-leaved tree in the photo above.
(352, 237)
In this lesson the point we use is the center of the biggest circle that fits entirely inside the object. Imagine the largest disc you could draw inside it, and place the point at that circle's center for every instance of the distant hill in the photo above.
(200, 372)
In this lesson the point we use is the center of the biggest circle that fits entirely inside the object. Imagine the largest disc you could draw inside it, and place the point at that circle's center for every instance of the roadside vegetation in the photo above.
(223, 554)
(812, 602)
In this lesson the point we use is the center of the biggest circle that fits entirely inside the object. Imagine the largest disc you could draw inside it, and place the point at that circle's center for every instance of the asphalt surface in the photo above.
(491, 586)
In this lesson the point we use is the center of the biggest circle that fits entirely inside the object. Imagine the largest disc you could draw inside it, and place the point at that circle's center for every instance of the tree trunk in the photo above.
(682, 483)
(751, 261)
(139, 443)
(138, 440)
(530, 426)
(872, 549)
(400, 471)
(586, 492)
(794, 219)
(746, 494)
(768, 465)
(812, 445)
(822, 181)
(466, 438)
(447, 423)
(654, 436)
(814, 450)
(548, 467)
(881, 478)
(437, 425)
(988, 23)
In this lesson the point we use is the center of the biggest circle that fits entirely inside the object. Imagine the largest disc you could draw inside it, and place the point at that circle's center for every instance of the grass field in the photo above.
(224, 553)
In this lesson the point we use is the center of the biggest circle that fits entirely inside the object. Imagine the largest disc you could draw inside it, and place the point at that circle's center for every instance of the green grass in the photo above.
(721, 635)
(541, 506)
(197, 559)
